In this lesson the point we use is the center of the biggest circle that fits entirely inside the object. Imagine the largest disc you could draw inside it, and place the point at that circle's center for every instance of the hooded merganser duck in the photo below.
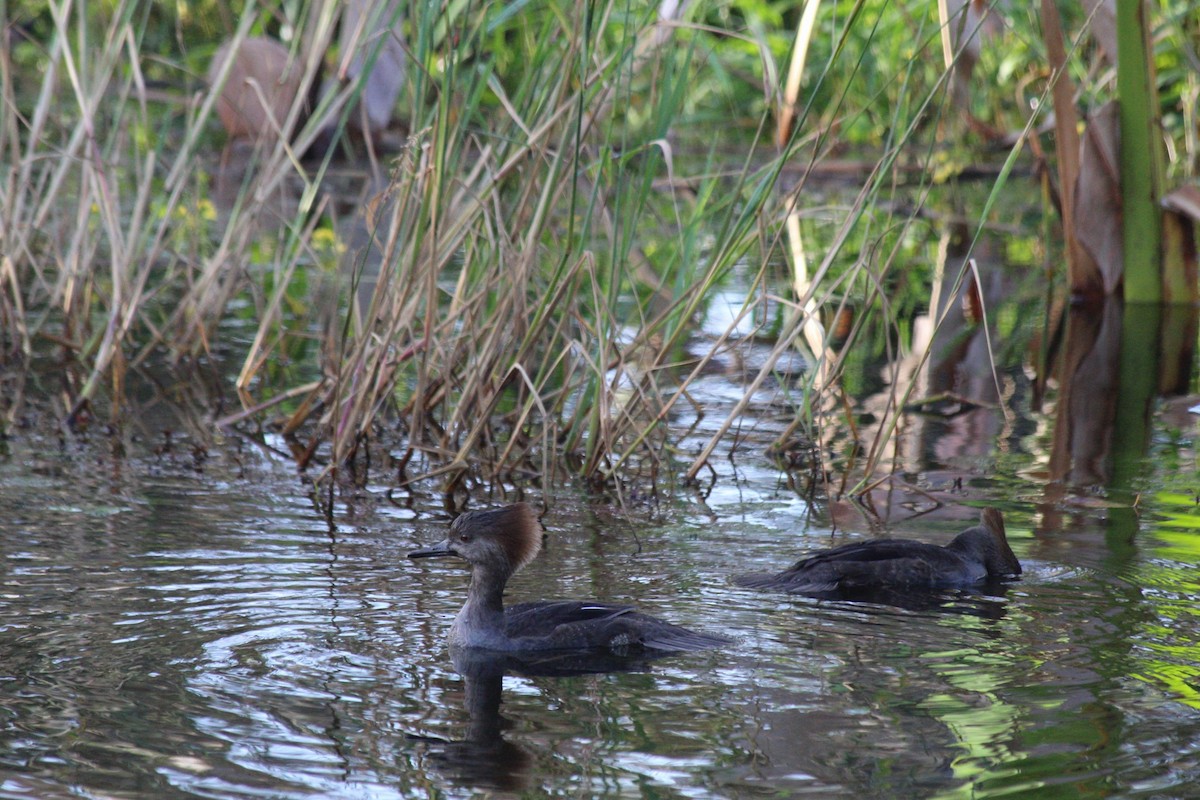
(497, 543)
(975, 556)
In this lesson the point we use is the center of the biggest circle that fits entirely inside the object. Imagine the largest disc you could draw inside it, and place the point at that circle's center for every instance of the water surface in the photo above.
(181, 617)
(172, 632)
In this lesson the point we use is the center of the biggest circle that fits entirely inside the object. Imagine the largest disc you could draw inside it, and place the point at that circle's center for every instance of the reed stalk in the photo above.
(542, 255)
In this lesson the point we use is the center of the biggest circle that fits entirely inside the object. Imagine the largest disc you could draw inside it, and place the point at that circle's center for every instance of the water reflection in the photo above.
(189, 642)
(181, 627)
(987, 600)
(876, 721)
(484, 758)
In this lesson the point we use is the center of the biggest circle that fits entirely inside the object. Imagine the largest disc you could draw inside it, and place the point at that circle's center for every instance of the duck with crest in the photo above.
(499, 542)
(974, 557)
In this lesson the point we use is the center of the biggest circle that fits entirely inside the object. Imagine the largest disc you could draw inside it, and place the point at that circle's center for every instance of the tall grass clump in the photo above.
(545, 244)
(542, 254)
(114, 252)
(519, 317)
(545, 265)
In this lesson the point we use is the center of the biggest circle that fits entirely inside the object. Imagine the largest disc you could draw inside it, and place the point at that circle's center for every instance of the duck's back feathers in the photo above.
(868, 565)
(549, 614)
(974, 556)
(571, 625)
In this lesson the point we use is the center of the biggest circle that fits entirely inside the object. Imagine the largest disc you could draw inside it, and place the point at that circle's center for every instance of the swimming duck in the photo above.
(976, 555)
(499, 542)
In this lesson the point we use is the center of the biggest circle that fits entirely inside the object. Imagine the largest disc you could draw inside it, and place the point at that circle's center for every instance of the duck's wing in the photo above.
(574, 625)
(892, 573)
(873, 551)
(642, 632)
(862, 566)
(522, 618)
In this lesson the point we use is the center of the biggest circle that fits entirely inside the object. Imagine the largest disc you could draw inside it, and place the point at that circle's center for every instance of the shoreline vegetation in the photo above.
(510, 285)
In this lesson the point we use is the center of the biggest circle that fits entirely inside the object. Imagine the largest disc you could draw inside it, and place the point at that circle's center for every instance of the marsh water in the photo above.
(168, 632)
(181, 619)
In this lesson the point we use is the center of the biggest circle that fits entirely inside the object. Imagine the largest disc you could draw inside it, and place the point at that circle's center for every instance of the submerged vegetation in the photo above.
(513, 291)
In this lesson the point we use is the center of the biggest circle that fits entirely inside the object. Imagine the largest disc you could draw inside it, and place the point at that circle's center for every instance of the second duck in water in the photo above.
(497, 543)
(975, 556)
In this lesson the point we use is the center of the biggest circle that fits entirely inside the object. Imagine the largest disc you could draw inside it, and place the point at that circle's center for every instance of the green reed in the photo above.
(548, 238)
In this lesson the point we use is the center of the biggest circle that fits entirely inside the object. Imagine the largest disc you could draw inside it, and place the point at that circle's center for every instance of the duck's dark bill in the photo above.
(434, 552)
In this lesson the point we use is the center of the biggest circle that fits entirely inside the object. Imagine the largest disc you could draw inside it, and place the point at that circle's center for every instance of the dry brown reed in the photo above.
(535, 293)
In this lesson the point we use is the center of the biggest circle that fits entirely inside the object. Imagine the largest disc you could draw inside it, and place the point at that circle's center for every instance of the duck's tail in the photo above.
(757, 580)
(667, 638)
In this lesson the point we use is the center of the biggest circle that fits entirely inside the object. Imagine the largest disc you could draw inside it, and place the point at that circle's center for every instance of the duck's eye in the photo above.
(464, 537)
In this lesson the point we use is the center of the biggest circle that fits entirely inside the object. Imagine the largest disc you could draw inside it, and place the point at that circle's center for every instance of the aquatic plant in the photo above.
(556, 225)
